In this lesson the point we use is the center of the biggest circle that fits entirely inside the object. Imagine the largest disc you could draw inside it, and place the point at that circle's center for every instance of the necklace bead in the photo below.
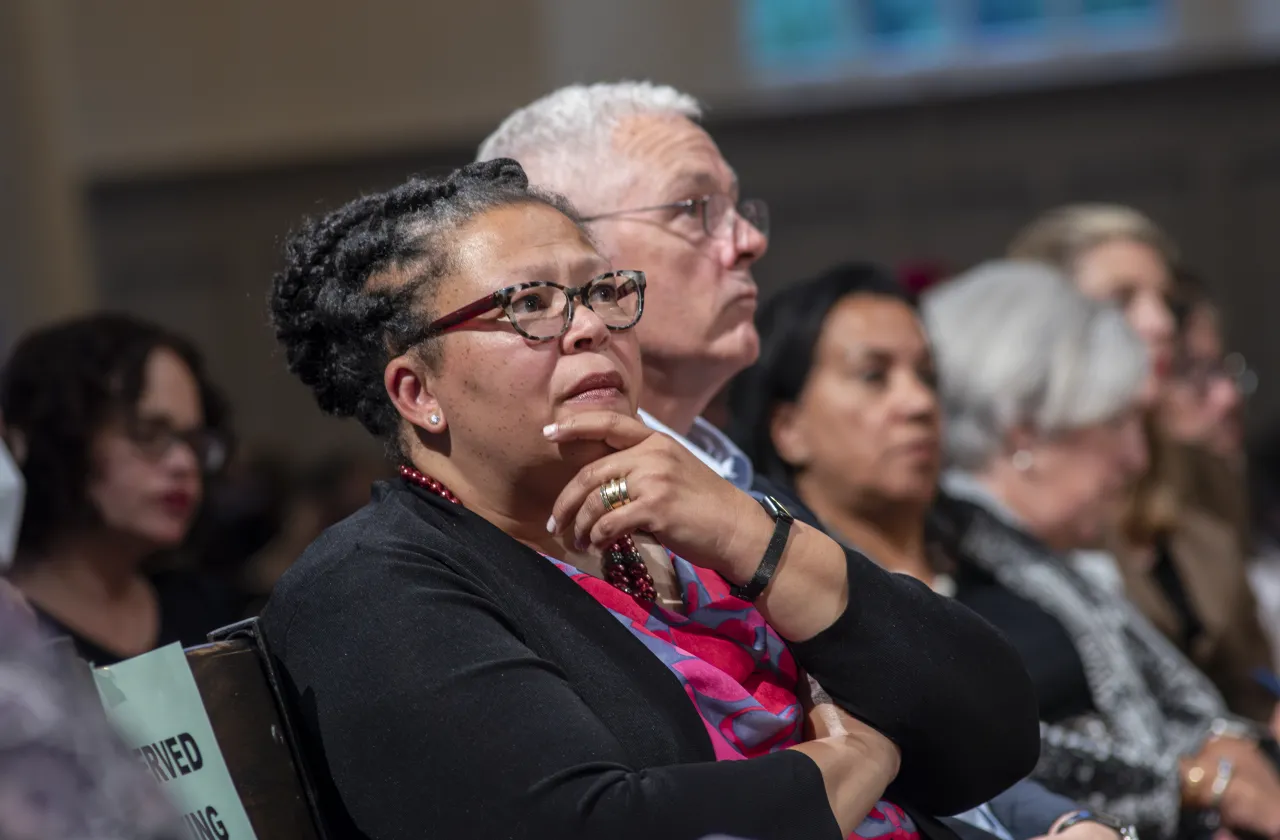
(624, 567)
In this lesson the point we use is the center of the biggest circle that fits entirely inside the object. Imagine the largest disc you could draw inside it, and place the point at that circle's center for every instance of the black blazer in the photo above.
(453, 684)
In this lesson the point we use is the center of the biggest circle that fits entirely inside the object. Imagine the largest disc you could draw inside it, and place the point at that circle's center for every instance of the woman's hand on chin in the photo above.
(674, 496)
(699, 516)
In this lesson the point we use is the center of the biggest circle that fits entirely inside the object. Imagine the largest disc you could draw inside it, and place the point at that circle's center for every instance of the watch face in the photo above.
(775, 508)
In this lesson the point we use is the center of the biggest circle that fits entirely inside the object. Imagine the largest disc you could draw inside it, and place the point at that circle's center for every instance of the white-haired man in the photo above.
(634, 160)
(659, 196)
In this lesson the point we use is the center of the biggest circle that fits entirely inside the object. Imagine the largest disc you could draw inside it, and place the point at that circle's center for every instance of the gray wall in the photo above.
(949, 181)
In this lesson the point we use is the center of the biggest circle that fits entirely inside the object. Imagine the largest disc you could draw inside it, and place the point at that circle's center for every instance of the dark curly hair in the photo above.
(61, 386)
(790, 324)
(338, 331)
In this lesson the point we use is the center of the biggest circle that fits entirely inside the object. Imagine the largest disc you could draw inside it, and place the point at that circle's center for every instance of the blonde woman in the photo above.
(1181, 565)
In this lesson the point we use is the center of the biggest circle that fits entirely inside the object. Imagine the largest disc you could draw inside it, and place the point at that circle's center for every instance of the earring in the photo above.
(1022, 460)
(434, 419)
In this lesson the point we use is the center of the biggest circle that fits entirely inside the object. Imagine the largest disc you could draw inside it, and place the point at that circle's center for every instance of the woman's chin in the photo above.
(1090, 531)
(163, 536)
(906, 488)
(579, 453)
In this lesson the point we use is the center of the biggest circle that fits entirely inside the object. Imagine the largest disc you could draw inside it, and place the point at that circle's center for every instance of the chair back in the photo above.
(250, 719)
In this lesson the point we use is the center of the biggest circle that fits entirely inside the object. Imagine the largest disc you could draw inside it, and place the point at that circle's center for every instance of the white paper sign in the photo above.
(11, 496)
(153, 702)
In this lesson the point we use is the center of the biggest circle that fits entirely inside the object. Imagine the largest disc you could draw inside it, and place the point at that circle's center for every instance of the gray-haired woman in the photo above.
(1041, 388)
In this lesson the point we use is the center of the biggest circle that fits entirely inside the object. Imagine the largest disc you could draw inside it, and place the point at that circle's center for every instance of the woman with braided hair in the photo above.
(558, 623)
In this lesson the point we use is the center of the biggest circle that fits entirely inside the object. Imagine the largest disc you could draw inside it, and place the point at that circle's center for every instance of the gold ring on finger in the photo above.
(614, 493)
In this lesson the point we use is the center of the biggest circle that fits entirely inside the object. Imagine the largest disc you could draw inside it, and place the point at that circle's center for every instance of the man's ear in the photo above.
(411, 387)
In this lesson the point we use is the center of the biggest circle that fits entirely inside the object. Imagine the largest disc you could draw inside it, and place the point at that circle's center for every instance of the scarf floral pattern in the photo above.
(737, 672)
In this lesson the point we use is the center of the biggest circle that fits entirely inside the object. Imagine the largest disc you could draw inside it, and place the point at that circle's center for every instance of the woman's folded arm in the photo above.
(934, 677)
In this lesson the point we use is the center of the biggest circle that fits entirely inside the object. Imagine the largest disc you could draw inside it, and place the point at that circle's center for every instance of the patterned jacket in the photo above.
(1151, 705)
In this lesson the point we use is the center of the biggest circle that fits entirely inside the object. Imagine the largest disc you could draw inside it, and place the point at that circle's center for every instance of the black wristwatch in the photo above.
(782, 519)
(1125, 830)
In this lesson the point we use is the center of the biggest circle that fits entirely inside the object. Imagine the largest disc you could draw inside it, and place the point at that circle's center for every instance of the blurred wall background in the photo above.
(153, 153)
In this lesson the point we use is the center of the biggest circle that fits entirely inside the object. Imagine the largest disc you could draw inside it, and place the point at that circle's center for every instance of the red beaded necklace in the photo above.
(623, 565)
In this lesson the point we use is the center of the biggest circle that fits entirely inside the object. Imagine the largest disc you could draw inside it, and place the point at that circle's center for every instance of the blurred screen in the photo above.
(793, 41)
(917, 25)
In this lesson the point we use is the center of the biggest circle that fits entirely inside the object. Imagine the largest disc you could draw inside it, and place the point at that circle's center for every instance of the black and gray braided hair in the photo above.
(337, 328)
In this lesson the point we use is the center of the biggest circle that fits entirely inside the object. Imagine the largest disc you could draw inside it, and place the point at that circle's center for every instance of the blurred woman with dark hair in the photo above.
(115, 427)
(841, 407)
(1039, 386)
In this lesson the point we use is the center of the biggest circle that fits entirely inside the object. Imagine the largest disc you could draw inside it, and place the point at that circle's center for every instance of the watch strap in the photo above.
(782, 519)
(1126, 831)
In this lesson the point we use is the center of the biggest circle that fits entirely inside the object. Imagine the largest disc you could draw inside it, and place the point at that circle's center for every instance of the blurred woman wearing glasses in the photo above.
(1203, 410)
(559, 623)
(115, 427)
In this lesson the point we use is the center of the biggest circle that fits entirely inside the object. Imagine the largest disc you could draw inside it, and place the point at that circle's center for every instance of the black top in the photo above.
(1025, 809)
(1050, 656)
(190, 608)
(1049, 652)
(452, 683)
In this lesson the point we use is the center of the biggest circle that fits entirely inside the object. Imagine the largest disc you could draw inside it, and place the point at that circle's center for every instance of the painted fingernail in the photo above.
(549, 430)
(581, 543)
(551, 525)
